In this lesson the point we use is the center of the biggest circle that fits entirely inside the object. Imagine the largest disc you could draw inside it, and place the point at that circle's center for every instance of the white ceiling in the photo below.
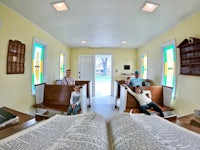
(105, 23)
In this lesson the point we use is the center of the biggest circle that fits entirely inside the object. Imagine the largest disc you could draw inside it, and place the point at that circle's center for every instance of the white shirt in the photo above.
(141, 98)
(75, 98)
(68, 81)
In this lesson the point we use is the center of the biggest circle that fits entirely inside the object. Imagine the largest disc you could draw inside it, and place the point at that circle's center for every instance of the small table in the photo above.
(25, 122)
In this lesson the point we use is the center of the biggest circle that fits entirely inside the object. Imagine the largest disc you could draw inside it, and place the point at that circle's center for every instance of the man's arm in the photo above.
(73, 81)
(62, 81)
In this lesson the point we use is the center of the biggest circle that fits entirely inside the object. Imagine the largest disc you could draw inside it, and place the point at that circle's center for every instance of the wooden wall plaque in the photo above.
(190, 56)
(15, 57)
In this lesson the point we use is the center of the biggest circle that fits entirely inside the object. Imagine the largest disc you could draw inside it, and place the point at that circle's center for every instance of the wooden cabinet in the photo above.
(15, 57)
(190, 56)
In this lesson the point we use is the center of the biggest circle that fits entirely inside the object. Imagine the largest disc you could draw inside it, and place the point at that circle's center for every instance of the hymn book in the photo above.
(7, 118)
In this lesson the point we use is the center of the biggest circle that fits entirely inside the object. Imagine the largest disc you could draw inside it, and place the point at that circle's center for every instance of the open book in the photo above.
(7, 118)
(91, 131)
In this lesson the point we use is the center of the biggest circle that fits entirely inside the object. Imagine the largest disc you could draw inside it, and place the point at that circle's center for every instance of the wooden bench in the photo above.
(128, 102)
(117, 84)
(57, 98)
(82, 82)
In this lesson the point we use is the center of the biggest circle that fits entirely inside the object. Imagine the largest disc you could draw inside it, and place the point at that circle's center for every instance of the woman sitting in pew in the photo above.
(74, 106)
(144, 101)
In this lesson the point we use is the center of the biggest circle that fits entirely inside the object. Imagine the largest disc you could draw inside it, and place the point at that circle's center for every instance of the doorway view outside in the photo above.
(103, 75)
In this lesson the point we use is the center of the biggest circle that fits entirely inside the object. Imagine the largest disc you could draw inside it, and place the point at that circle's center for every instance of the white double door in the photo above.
(86, 70)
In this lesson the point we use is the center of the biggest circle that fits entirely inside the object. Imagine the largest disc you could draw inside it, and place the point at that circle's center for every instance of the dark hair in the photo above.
(137, 86)
(128, 78)
(136, 72)
(78, 85)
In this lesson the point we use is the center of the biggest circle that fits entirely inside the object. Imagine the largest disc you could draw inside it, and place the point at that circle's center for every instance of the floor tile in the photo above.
(103, 105)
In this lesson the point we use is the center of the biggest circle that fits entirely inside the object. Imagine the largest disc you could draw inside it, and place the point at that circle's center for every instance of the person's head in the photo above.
(136, 73)
(77, 88)
(138, 89)
(127, 80)
(68, 72)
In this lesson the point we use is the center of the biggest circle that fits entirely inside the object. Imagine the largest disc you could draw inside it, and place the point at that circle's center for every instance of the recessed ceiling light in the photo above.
(149, 6)
(60, 6)
(83, 41)
(124, 42)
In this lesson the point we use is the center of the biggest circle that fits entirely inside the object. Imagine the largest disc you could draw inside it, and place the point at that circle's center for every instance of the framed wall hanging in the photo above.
(15, 57)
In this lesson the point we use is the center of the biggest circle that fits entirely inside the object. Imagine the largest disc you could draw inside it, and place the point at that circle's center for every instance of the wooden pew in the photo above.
(88, 88)
(57, 97)
(117, 92)
(128, 102)
(82, 82)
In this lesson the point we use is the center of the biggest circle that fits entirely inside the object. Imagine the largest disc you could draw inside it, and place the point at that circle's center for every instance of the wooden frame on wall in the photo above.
(15, 57)
(190, 56)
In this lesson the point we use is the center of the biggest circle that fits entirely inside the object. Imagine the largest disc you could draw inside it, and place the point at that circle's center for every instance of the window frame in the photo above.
(37, 41)
(64, 63)
(141, 62)
(168, 44)
(172, 42)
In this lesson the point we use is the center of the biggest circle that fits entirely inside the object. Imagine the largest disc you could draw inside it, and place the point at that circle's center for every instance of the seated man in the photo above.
(68, 80)
(127, 81)
(138, 81)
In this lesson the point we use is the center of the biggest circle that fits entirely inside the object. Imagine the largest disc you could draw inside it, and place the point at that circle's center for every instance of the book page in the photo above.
(62, 132)
(142, 132)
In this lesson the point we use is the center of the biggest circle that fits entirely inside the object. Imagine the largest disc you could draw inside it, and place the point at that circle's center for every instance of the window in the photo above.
(62, 65)
(144, 65)
(38, 64)
(169, 61)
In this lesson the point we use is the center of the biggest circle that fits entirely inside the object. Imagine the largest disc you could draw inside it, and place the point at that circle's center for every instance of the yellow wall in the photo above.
(120, 58)
(15, 89)
(187, 95)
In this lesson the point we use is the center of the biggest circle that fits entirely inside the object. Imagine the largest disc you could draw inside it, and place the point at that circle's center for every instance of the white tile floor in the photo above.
(103, 105)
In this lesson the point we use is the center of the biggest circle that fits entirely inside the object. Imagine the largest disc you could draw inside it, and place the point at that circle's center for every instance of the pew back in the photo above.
(129, 102)
(57, 96)
(82, 82)
(117, 91)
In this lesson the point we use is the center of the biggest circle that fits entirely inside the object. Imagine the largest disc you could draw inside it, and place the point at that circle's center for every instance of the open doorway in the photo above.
(103, 75)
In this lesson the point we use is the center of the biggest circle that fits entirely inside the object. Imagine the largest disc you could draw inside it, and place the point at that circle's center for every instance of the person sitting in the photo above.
(74, 106)
(68, 80)
(127, 81)
(138, 81)
(144, 101)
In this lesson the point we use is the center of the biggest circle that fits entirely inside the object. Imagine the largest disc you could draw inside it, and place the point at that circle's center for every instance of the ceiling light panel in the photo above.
(124, 42)
(149, 6)
(83, 41)
(60, 6)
